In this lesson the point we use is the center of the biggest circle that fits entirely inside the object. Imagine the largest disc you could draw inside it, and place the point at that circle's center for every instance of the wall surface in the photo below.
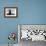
(29, 12)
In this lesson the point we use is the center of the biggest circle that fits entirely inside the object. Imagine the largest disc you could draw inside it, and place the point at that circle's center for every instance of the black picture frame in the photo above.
(9, 16)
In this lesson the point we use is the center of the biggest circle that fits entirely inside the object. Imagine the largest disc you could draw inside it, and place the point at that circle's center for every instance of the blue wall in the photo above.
(29, 12)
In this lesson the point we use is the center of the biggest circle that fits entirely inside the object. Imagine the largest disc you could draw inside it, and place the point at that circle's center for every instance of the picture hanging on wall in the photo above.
(11, 12)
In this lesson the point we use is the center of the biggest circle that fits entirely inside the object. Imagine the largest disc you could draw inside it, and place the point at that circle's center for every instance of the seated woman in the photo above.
(10, 13)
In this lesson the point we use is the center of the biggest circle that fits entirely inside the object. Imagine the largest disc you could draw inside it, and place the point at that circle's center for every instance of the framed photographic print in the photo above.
(11, 12)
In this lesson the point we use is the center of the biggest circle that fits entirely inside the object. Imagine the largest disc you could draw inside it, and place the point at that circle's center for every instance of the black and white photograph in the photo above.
(11, 12)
